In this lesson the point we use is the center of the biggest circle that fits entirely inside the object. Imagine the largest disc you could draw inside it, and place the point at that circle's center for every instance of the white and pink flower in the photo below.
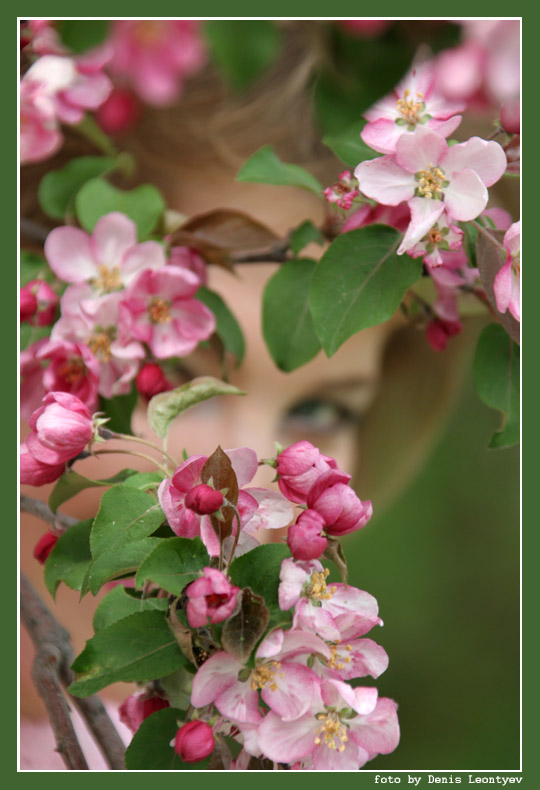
(415, 101)
(433, 178)
(211, 599)
(343, 192)
(72, 368)
(507, 283)
(443, 236)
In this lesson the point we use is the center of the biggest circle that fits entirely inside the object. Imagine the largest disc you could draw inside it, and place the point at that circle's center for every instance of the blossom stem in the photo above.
(127, 438)
(136, 455)
(89, 129)
(487, 234)
(236, 537)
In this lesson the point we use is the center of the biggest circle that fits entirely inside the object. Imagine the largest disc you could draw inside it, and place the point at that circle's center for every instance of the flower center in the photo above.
(265, 675)
(332, 732)
(108, 279)
(431, 183)
(436, 237)
(410, 107)
(148, 33)
(73, 370)
(337, 661)
(317, 589)
(158, 310)
(100, 343)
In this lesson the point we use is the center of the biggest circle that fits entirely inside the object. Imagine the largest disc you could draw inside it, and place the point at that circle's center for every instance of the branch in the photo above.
(33, 231)
(50, 672)
(487, 234)
(39, 509)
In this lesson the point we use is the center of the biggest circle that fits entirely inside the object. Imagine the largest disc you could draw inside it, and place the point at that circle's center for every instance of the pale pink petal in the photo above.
(88, 91)
(383, 180)
(499, 216)
(424, 214)
(188, 474)
(293, 575)
(385, 108)
(362, 699)
(486, 158)
(193, 320)
(502, 287)
(351, 758)
(382, 135)
(70, 256)
(244, 463)
(271, 644)
(317, 620)
(366, 658)
(148, 255)
(239, 702)
(444, 128)
(287, 741)
(421, 150)
(512, 238)
(209, 537)
(297, 689)
(378, 732)
(113, 235)
(466, 196)
(274, 511)
(216, 675)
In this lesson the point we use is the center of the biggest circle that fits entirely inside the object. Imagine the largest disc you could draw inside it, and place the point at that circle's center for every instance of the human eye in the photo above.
(318, 415)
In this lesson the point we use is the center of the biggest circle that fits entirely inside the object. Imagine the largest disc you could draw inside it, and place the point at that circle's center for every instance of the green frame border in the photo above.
(278, 8)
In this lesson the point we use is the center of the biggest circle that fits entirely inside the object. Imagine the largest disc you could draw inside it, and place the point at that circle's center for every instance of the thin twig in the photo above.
(488, 235)
(50, 672)
(35, 507)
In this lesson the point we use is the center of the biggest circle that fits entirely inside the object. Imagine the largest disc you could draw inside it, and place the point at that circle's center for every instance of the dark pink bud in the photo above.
(137, 707)
(119, 112)
(210, 598)
(337, 503)
(305, 538)
(203, 500)
(44, 546)
(46, 300)
(510, 116)
(194, 741)
(439, 332)
(298, 467)
(28, 304)
(151, 380)
(365, 28)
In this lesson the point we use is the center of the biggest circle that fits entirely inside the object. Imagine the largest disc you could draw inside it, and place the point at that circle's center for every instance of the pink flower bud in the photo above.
(45, 299)
(298, 467)
(186, 258)
(194, 741)
(203, 500)
(150, 381)
(61, 428)
(212, 597)
(27, 304)
(305, 539)
(510, 116)
(439, 332)
(37, 473)
(119, 113)
(44, 546)
(137, 707)
(337, 503)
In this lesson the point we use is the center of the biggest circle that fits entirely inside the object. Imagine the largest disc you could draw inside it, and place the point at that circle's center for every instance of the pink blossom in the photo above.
(397, 216)
(40, 136)
(185, 523)
(432, 178)
(343, 192)
(415, 101)
(106, 336)
(119, 113)
(103, 263)
(31, 374)
(72, 368)
(27, 304)
(150, 381)
(343, 729)
(46, 300)
(211, 598)
(442, 236)
(155, 56)
(162, 312)
(298, 467)
(305, 538)
(355, 658)
(44, 546)
(510, 116)
(508, 279)
(450, 278)
(194, 741)
(61, 428)
(137, 707)
(337, 503)
(439, 332)
(37, 473)
(287, 687)
(186, 258)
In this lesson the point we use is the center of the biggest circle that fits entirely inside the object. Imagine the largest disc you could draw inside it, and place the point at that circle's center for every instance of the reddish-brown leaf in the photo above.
(246, 625)
(219, 473)
(489, 259)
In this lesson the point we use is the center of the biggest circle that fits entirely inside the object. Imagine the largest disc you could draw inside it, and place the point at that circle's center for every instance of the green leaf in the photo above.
(242, 50)
(264, 167)
(33, 267)
(177, 687)
(228, 327)
(259, 569)
(80, 35)
(173, 564)
(58, 188)
(166, 406)
(286, 318)
(70, 559)
(359, 282)
(496, 378)
(243, 629)
(144, 204)
(119, 604)
(145, 480)
(117, 562)
(31, 334)
(119, 410)
(150, 749)
(71, 483)
(304, 234)
(138, 648)
(349, 146)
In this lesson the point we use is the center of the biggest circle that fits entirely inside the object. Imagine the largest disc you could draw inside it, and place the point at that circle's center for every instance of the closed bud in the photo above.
(27, 303)
(194, 741)
(510, 116)
(439, 332)
(119, 112)
(203, 500)
(137, 707)
(151, 381)
(44, 546)
(305, 538)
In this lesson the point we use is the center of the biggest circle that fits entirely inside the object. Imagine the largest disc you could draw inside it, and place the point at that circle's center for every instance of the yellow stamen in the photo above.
(265, 675)
(332, 732)
(408, 108)
(317, 588)
(100, 345)
(158, 311)
(430, 183)
(108, 279)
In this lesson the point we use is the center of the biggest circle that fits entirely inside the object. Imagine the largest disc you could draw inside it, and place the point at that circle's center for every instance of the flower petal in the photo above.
(486, 158)
(421, 150)
(466, 196)
(70, 255)
(383, 180)
(424, 214)
(113, 235)
(287, 741)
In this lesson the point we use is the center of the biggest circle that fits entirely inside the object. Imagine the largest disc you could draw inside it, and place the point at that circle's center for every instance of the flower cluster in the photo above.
(125, 303)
